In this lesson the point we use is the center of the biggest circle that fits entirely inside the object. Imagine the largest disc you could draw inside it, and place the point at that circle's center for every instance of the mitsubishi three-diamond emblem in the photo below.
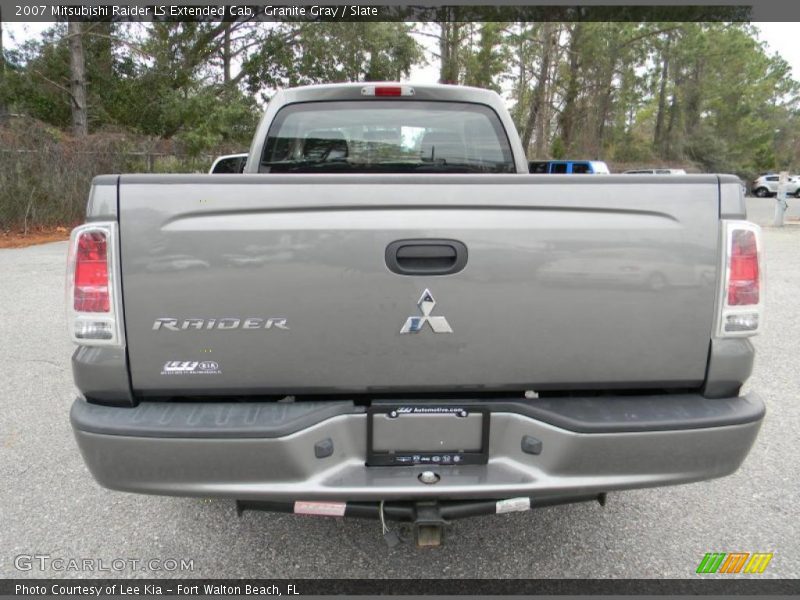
(417, 324)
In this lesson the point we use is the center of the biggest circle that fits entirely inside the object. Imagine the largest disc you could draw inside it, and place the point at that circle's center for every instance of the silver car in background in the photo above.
(767, 185)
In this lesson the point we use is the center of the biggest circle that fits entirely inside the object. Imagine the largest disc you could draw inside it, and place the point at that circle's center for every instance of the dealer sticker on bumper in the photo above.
(191, 367)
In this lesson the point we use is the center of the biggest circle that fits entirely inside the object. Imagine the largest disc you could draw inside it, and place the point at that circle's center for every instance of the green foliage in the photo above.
(558, 149)
(217, 119)
(327, 52)
(702, 94)
(156, 88)
(36, 78)
(729, 98)
(487, 60)
(705, 94)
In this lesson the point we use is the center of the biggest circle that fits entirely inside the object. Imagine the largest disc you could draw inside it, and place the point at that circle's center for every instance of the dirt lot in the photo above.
(22, 239)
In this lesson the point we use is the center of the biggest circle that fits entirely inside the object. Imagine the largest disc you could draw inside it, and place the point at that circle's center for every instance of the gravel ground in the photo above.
(762, 210)
(50, 505)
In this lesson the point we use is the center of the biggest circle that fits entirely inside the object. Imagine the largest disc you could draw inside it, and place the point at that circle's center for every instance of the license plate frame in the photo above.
(405, 457)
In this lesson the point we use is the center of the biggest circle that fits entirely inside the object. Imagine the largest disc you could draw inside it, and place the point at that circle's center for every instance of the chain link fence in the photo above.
(45, 176)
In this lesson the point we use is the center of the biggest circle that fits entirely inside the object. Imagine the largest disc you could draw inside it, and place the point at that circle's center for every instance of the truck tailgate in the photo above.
(279, 283)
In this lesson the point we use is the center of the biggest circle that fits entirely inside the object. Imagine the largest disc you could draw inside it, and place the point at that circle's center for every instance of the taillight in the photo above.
(384, 91)
(91, 273)
(91, 293)
(742, 293)
(388, 90)
(743, 279)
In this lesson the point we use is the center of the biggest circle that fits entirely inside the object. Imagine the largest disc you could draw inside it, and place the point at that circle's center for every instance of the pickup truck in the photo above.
(387, 316)
(568, 167)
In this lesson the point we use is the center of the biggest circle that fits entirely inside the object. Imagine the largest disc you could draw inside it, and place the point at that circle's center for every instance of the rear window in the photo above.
(386, 137)
(558, 168)
(581, 168)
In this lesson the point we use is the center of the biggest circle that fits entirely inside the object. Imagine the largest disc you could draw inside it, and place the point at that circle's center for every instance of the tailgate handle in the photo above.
(426, 257)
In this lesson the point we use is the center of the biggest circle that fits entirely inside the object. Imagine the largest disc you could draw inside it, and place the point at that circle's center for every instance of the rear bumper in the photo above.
(266, 451)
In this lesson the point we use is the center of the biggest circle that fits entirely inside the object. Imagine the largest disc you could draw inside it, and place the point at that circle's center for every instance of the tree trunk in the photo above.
(518, 113)
(226, 55)
(77, 67)
(671, 141)
(541, 140)
(694, 99)
(567, 118)
(543, 136)
(545, 114)
(537, 102)
(604, 107)
(662, 95)
(449, 42)
(3, 106)
(104, 56)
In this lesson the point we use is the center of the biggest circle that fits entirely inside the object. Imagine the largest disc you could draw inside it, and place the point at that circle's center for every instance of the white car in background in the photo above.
(767, 185)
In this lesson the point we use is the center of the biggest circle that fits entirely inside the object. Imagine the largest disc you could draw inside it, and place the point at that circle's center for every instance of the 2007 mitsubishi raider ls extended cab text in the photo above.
(386, 316)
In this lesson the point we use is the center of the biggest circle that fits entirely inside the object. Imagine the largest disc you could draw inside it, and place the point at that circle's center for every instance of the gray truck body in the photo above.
(600, 295)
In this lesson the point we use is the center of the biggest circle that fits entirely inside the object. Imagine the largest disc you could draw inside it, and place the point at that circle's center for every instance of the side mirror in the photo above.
(229, 164)
(537, 166)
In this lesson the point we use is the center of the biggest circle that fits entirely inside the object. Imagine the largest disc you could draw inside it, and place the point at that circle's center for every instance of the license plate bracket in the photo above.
(427, 434)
